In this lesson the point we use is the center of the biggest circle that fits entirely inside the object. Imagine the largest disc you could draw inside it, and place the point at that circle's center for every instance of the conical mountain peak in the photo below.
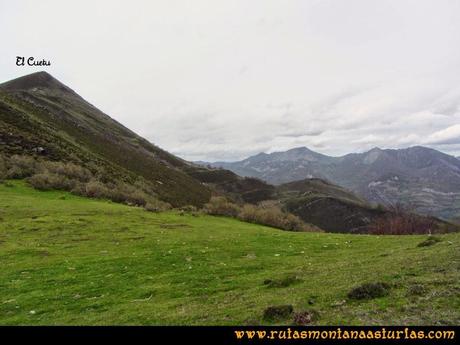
(37, 80)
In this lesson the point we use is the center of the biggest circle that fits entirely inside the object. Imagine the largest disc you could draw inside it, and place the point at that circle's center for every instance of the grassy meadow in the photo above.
(68, 260)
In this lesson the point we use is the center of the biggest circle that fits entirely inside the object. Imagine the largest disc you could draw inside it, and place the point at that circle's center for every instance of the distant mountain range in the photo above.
(423, 179)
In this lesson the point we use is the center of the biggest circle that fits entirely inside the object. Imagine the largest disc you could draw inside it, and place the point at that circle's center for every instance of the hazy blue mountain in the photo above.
(423, 179)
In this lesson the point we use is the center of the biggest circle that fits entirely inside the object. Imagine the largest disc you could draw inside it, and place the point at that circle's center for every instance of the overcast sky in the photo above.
(222, 80)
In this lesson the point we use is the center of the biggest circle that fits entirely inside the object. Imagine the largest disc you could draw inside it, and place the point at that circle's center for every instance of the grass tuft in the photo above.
(432, 240)
(277, 313)
(369, 291)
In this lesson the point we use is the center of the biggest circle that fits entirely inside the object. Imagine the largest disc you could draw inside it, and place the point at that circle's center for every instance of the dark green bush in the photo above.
(21, 167)
(416, 290)
(272, 216)
(69, 170)
(48, 181)
(266, 213)
(429, 241)
(276, 313)
(96, 189)
(124, 193)
(369, 291)
(220, 206)
(156, 206)
(48, 175)
(189, 208)
(3, 169)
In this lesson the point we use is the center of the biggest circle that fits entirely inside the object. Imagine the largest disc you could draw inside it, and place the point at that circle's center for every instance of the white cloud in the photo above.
(368, 139)
(447, 136)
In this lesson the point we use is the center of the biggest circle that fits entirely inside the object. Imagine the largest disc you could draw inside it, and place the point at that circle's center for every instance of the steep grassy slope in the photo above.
(71, 260)
(41, 116)
(328, 206)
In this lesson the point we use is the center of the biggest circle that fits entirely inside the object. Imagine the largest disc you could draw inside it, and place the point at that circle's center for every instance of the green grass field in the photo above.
(70, 260)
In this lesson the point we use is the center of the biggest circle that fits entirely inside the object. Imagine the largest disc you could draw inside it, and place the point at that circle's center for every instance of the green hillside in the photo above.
(40, 116)
(70, 260)
(328, 206)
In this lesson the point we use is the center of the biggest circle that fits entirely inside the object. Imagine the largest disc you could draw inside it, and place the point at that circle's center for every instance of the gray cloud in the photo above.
(221, 80)
(297, 134)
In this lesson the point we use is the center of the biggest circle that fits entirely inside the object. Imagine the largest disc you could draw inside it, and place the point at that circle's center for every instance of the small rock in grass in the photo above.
(278, 312)
(305, 317)
(416, 290)
(338, 303)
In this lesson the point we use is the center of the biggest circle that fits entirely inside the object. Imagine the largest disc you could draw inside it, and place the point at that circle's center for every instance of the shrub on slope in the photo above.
(265, 213)
(47, 175)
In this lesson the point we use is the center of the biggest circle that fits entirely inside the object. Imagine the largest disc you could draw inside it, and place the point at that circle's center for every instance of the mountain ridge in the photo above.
(422, 178)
